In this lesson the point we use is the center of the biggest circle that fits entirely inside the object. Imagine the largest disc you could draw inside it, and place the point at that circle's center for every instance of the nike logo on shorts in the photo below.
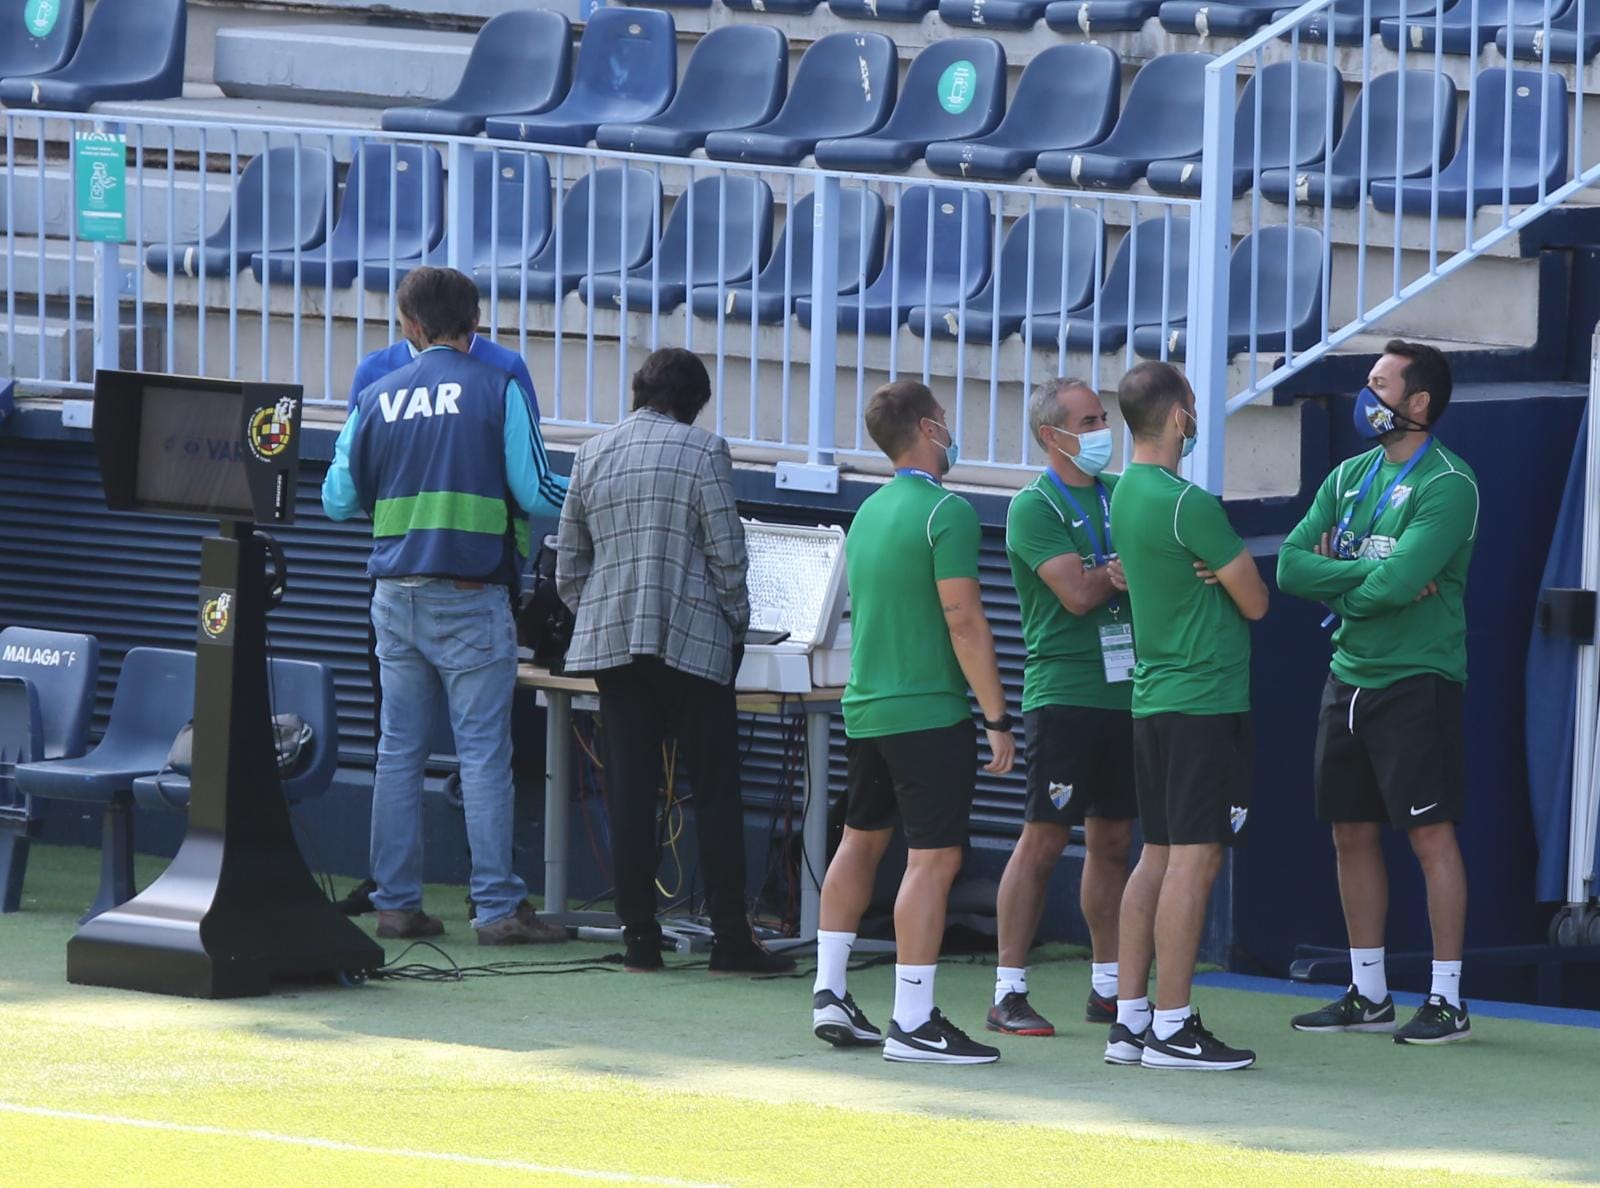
(1417, 812)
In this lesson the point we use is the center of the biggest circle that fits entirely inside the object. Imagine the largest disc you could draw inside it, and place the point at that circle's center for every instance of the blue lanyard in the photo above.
(1346, 547)
(1100, 556)
(913, 472)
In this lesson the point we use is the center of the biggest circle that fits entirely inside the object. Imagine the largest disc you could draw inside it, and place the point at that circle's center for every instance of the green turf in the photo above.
(715, 1080)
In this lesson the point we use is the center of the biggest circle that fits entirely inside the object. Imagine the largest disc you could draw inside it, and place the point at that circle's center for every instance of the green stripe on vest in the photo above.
(450, 510)
(524, 535)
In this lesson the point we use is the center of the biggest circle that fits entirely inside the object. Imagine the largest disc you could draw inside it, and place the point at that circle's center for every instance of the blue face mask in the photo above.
(1188, 442)
(952, 452)
(1375, 419)
(1094, 450)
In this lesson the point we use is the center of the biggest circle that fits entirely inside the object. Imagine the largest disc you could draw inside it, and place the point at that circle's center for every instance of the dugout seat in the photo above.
(1145, 269)
(43, 45)
(1531, 41)
(131, 49)
(1454, 29)
(1092, 17)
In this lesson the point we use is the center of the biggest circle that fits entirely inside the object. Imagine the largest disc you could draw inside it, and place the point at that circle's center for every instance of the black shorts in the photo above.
(1391, 754)
(1080, 764)
(924, 777)
(1193, 776)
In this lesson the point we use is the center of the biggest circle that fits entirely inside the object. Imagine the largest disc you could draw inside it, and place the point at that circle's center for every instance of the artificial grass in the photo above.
(715, 1080)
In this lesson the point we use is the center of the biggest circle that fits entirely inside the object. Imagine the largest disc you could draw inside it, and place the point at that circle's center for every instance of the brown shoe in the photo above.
(522, 927)
(408, 924)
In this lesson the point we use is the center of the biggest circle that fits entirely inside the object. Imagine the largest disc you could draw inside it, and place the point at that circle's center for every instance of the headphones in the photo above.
(277, 577)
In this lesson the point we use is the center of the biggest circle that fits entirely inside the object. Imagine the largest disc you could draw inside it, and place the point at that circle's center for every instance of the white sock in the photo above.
(913, 995)
(833, 954)
(1103, 977)
(1169, 1023)
(1009, 979)
(1134, 1014)
(1447, 981)
(1367, 974)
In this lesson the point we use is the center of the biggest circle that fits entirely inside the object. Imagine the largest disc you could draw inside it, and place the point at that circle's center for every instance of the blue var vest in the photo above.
(428, 461)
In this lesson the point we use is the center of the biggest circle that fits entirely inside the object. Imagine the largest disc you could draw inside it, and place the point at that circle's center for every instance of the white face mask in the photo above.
(1094, 450)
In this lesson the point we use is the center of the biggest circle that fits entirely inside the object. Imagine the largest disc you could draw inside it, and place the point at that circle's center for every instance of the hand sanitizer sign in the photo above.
(40, 16)
(957, 86)
(101, 165)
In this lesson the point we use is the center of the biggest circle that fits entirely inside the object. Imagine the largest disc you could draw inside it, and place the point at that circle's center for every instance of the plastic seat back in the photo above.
(954, 89)
(1420, 101)
(1538, 103)
(521, 63)
(845, 85)
(50, 33)
(511, 216)
(1156, 276)
(1295, 99)
(961, 247)
(294, 183)
(1066, 97)
(736, 76)
(153, 701)
(132, 42)
(1163, 113)
(862, 220)
(304, 688)
(415, 175)
(732, 222)
(623, 200)
(62, 668)
(627, 60)
(1286, 267)
(1061, 244)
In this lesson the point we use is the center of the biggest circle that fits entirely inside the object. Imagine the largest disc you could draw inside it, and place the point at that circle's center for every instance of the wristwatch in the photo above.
(1002, 724)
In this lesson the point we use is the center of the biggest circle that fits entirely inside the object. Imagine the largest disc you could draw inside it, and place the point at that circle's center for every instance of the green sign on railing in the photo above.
(101, 160)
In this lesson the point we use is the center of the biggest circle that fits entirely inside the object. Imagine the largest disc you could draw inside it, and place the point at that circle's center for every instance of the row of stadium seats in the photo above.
(131, 49)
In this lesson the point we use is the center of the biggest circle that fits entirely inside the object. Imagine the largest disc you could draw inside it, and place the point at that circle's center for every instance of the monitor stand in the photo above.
(237, 908)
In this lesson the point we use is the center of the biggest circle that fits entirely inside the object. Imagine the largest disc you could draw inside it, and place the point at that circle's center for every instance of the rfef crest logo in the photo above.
(271, 429)
(215, 614)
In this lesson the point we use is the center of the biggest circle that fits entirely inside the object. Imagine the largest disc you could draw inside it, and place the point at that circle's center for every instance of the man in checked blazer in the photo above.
(651, 560)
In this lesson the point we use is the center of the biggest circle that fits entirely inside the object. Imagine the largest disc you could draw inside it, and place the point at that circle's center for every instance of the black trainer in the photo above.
(1123, 1045)
(1100, 1010)
(1013, 1015)
(1192, 1046)
(746, 955)
(841, 1022)
(938, 1041)
(1353, 1012)
(1436, 1022)
(359, 901)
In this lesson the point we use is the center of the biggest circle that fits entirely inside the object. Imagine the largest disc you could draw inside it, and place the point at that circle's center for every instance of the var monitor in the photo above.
(187, 446)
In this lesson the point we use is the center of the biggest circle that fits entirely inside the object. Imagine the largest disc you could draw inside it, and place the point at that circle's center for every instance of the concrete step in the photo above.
(60, 350)
(347, 65)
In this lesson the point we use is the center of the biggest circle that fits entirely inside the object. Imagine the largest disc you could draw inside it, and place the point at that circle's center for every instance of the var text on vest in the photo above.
(406, 403)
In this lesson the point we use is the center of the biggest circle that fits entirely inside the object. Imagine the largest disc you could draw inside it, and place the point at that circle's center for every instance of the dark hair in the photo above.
(1426, 370)
(442, 302)
(895, 413)
(673, 382)
(1148, 392)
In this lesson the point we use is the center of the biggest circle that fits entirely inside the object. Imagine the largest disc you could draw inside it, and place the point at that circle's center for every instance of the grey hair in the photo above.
(1044, 406)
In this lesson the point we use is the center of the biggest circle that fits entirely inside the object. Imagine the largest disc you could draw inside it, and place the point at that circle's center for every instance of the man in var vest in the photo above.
(446, 458)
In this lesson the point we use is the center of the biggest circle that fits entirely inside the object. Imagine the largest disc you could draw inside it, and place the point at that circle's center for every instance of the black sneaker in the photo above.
(1350, 1013)
(1436, 1022)
(642, 951)
(359, 901)
(747, 956)
(938, 1041)
(1100, 1010)
(1012, 1015)
(841, 1022)
(1192, 1046)
(1123, 1045)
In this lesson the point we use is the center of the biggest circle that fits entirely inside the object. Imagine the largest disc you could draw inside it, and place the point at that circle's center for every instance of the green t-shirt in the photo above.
(1194, 646)
(1425, 534)
(909, 534)
(1064, 662)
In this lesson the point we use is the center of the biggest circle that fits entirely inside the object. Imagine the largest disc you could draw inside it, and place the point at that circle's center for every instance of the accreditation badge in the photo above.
(1116, 651)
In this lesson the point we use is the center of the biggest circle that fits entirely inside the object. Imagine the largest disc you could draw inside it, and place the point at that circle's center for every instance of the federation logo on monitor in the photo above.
(271, 428)
(214, 615)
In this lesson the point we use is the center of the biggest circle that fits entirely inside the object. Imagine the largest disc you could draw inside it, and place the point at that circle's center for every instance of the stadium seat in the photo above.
(1158, 282)
(47, 686)
(883, 10)
(731, 221)
(627, 71)
(992, 14)
(520, 62)
(1353, 20)
(1160, 121)
(844, 86)
(131, 49)
(298, 687)
(511, 195)
(43, 46)
(1454, 28)
(1211, 18)
(1092, 17)
(414, 175)
(1422, 101)
(736, 77)
(1057, 246)
(153, 701)
(943, 268)
(1066, 98)
(624, 202)
(1288, 297)
(1295, 101)
(954, 89)
(860, 253)
(279, 203)
(1531, 41)
(1538, 104)
(794, 7)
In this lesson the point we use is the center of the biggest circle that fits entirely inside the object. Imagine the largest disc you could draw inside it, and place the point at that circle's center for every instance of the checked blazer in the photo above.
(651, 556)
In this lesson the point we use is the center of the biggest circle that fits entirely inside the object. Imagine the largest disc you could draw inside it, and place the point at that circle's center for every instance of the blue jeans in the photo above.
(436, 640)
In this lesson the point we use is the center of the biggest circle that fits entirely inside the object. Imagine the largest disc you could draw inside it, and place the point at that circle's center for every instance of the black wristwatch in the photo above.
(1003, 723)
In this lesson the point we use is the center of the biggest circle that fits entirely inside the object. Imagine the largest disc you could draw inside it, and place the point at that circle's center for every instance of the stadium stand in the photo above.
(1465, 28)
(1561, 41)
(1147, 285)
(1206, 19)
(43, 48)
(992, 14)
(1353, 21)
(131, 49)
(882, 10)
(1090, 17)
(794, 7)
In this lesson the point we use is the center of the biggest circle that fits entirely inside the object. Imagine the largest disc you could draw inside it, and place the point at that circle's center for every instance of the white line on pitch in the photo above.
(292, 1140)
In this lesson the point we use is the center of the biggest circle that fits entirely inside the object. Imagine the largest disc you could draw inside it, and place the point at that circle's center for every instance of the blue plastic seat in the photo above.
(731, 219)
(1296, 100)
(844, 86)
(1161, 121)
(298, 687)
(955, 88)
(511, 201)
(1066, 98)
(1420, 101)
(1213, 18)
(521, 61)
(883, 10)
(1063, 247)
(280, 202)
(1454, 28)
(41, 47)
(627, 71)
(942, 269)
(992, 14)
(414, 174)
(624, 202)
(1538, 101)
(795, 7)
(1353, 20)
(1531, 41)
(736, 77)
(1093, 17)
(1157, 278)
(1286, 266)
(131, 49)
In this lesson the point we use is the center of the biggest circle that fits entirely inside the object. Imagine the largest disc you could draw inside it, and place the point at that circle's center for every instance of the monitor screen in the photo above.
(191, 451)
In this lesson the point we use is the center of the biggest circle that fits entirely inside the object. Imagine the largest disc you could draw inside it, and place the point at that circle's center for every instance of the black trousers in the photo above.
(642, 705)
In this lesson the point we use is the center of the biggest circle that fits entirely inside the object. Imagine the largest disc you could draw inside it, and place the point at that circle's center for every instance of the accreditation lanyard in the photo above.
(1101, 556)
(913, 472)
(1344, 540)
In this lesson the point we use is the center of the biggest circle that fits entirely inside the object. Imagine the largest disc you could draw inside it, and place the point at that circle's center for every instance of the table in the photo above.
(818, 706)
